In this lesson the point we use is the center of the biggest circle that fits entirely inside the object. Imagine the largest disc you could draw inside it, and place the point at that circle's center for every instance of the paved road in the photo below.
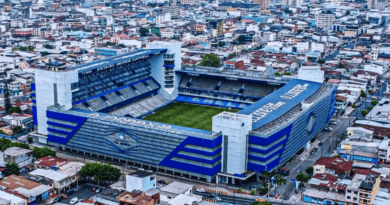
(299, 164)
(84, 192)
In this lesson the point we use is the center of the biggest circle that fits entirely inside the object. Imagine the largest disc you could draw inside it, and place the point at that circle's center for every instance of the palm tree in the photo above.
(279, 180)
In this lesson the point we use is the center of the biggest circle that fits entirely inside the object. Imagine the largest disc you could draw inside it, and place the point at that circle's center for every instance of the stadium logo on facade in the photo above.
(265, 110)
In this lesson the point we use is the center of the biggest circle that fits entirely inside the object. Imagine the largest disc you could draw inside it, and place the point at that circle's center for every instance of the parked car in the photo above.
(284, 171)
(321, 143)
(218, 199)
(74, 200)
(313, 151)
(333, 122)
(69, 192)
(158, 187)
(64, 196)
(98, 190)
(328, 129)
(374, 98)
(161, 181)
(58, 199)
(94, 189)
(200, 190)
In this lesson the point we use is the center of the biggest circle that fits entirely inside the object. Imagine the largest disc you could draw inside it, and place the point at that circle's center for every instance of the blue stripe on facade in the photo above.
(265, 141)
(190, 167)
(33, 94)
(259, 141)
(65, 117)
(32, 86)
(202, 152)
(61, 125)
(206, 161)
(34, 101)
(169, 66)
(35, 115)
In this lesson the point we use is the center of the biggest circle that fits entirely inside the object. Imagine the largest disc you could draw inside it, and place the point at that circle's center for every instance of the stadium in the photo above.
(142, 108)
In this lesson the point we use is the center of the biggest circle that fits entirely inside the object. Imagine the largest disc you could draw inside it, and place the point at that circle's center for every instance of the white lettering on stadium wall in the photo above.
(265, 109)
(134, 122)
(295, 91)
(270, 107)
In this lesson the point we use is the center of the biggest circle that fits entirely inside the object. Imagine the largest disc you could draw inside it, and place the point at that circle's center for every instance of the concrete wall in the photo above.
(236, 127)
(44, 82)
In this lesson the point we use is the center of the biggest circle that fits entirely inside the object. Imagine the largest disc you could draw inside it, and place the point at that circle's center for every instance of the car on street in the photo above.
(158, 187)
(321, 143)
(333, 122)
(328, 129)
(374, 98)
(284, 171)
(69, 192)
(200, 190)
(218, 199)
(313, 151)
(98, 190)
(64, 196)
(58, 199)
(74, 200)
(161, 181)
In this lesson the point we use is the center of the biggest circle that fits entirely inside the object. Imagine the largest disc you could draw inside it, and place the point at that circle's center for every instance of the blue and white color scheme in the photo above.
(97, 108)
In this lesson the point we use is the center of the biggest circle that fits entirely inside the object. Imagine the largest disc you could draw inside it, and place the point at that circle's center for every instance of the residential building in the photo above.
(263, 3)
(49, 162)
(109, 52)
(20, 156)
(325, 20)
(61, 180)
(141, 180)
(368, 189)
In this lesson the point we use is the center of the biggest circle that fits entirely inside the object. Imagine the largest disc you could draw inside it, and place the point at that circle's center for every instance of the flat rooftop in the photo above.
(128, 57)
(276, 104)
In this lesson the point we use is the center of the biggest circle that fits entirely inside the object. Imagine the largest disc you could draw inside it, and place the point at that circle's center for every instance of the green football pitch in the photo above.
(187, 115)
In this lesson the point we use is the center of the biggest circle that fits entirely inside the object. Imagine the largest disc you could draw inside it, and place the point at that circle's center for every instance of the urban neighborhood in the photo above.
(183, 102)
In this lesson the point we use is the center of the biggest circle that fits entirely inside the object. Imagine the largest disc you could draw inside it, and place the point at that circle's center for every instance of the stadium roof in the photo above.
(279, 102)
(143, 53)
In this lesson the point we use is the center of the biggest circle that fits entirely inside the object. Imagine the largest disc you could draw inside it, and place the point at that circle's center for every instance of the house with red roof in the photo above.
(49, 162)
(333, 165)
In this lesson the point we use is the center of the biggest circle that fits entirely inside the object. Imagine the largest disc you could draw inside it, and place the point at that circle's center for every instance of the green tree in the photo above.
(220, 44)
(143, 31)
(364, 112)
(303, 178)
(369, 108)
(253, 192)
(261, 203)
(337, 155)
(6, 143)
(300, 31)
(30, 49)
(15, 110)
(43, 152)
(210, 60)
(100, 172)
(354, 106)
(241, 39)
(309, 170)
(11, 168)
(321, 61)
(235, 42)
(363, 94)
(287, 73)
(340, 65)
(47, 46)
(374, 102)
(121, 46)
(17, 129)
(279, 180)
(29, 140)
(277, 74)
(370, 91)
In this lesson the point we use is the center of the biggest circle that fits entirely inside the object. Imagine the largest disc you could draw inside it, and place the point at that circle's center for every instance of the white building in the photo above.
(167, 33)
(141, 180)
(325, 20)
(294, 3)
(10, 199)
(377, 68)
(61, 180)
(162, 18)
